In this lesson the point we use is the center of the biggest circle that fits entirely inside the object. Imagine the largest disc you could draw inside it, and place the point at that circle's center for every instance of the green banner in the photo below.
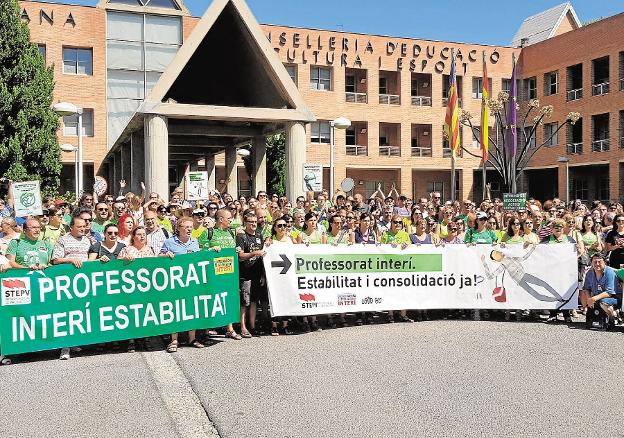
(64, 306)
(350, 263)
(514, 201)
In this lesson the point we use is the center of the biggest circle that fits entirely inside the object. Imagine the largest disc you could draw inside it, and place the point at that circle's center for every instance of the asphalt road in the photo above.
(435, 378)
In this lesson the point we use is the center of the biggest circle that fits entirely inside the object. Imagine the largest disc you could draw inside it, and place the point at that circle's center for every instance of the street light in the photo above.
(69, 109)
(566, 160)
(243, 152)
(71, 148)
(339, 123)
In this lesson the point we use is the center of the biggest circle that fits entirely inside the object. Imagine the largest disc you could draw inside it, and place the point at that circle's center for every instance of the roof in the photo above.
(544, 25)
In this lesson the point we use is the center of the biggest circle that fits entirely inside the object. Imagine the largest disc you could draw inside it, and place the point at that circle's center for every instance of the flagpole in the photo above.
(482, 159)
(514, 139)
(451, 139)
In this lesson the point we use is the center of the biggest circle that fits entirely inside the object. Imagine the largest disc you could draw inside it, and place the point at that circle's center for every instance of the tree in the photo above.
(275, 163)
(500, 156)
(29, 148)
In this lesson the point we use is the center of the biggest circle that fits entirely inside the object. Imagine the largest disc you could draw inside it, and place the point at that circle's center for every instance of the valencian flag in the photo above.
(451, 122)
(485, 113)
(512, 114)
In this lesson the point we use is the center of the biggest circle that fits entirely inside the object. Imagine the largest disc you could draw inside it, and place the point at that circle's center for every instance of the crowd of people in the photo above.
(127, 226)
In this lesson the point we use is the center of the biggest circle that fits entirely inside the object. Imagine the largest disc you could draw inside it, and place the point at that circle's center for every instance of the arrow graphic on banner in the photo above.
(285, 264)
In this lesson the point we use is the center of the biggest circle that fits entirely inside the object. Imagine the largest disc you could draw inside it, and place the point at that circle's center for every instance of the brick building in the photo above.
(392, 89)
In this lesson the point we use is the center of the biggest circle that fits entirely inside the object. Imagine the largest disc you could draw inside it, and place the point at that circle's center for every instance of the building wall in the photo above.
(602, 38)
(86, 91)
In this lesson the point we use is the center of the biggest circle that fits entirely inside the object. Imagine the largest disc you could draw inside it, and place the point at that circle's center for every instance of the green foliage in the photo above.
(276, 164)
(29, 148)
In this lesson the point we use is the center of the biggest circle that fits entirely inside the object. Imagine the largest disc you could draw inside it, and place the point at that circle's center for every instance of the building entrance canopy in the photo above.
(225, 87)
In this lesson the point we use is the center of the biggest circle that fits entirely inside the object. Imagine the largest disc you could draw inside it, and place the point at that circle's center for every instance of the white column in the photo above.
(157, 155)
(209, 167)
(231, 172)
(295, 158)
(259, 177)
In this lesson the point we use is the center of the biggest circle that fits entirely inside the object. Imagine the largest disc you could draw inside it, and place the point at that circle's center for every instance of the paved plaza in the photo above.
(436, 378)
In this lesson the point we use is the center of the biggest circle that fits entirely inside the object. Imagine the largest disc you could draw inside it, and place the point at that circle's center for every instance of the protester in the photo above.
(109, 248)
(126, 224)
(10, 231)
(72, 248)
(181, 243)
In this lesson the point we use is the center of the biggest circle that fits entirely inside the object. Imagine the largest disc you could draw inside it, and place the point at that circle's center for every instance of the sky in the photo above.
(445, 20)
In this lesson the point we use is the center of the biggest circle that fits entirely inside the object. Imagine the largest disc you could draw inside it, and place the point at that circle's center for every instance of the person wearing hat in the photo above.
(198, 222)
(601, 286)
(481, 234)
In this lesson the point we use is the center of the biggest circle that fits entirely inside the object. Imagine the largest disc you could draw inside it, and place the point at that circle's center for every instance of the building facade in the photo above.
(108, 58)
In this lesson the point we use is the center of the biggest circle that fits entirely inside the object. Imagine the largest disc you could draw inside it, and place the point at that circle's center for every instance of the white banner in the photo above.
(318, 279)
(312, 177)
(197, 186)
(27, 198)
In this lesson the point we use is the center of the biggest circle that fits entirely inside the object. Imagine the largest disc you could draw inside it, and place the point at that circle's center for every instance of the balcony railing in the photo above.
(418, 151)
(600, 145)
(575, 94)
(351, 97)
(574, 148)
(445, 101)
(390, 151)
(421, 100)
(602, 88)
(356, 149)
(446, 152)
(389, 99)
(621, 84)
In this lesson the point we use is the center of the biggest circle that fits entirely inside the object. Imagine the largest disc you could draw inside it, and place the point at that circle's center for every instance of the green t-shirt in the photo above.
(485, 236)
(399, 238)
(220, 238)
(30, 252)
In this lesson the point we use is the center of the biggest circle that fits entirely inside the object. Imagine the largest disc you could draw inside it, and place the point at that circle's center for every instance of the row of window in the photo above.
(600, 80)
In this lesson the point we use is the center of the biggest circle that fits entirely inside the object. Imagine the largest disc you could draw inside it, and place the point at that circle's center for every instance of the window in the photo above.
(77, 61)
(414, 90)
(477, 87)
(70, 124)
(436, 186)
(603, 189)
(350, 83)
(320, 132)
(383, 136)
(42, 51)
(580, 189)
(530, 88)
(551, 81)
(292, 72)
(476, 137)
(383, 85)
(506, 85)
(320, 78)
(551, 138)
(350, 136)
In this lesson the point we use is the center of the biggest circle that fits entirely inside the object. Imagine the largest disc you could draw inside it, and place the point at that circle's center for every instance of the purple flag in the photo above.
(512, 113)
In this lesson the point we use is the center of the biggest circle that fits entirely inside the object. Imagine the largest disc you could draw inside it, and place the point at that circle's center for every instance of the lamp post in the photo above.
(339, 123)
(69, 109)
(566, 160)
(71, 148)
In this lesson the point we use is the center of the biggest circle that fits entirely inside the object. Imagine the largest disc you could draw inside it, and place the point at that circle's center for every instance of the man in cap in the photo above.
(601, 286)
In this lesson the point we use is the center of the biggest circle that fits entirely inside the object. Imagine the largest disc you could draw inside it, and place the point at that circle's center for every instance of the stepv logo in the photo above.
(16, 291)
(308, 301)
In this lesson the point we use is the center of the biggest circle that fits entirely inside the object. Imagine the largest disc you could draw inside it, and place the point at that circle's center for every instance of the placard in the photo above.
(312, 177)
(197, 186)
(27, 198)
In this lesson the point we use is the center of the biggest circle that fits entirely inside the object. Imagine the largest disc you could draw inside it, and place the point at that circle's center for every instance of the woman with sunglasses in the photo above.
(126, 225)
(590, 236)
(527, 231)
(452, 236)
(414, 217)
(55, 227)
(163, 220)
(137, 250)
(280, 232)
(237, 215)
(513, 234)
(396, 236)
(420, 236)
(109, 248)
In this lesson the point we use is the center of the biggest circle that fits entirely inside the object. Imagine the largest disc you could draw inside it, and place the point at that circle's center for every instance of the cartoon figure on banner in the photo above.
(528, 282)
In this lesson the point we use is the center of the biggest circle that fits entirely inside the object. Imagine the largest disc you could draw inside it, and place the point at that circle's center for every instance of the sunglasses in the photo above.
(280, 226)
(45, 215)
(112, 233)
(558, 227)
(252, 222)
(85, 219)
(397, 222)
(452, 229)
(102, 209)
(199, 214)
